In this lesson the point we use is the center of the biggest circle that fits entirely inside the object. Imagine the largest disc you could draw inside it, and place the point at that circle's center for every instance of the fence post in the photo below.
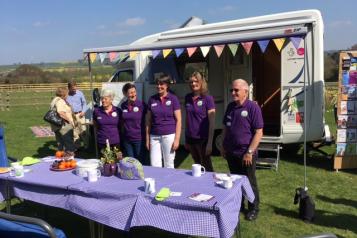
(8, 101)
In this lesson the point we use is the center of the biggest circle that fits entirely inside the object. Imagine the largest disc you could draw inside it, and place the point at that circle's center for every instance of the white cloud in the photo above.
(135, 21)
(222, 10)
(101, 27)
(40, 24)
(110, 33)
(340, 23)
(227, 8)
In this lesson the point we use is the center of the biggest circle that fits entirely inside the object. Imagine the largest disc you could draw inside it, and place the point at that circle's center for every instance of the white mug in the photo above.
(198, 170)
(19, 171)
(149, 184)
(93, 175)
(227, 182)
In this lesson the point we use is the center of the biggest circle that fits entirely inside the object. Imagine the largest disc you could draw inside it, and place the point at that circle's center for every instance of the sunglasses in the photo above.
(234, 90)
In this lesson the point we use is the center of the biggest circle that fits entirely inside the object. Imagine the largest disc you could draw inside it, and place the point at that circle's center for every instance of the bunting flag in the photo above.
(92, 57)
(133, 54)
(166, 52)
(233, 48)
(219, 49)
(296, 41)
(205, 50)
(122, 55)
(263, 44)
(191, 51)
(102, 57)
(247, 46)
(145, 53)
(179, 51)
(279, 42)
(112, 56)
(155, 53)
(85, 57)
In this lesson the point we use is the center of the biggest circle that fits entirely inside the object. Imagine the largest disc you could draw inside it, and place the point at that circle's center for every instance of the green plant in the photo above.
(110, 155)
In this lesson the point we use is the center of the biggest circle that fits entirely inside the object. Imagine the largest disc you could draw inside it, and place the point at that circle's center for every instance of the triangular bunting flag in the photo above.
(263, 44)
(205, 50)
(85, 57)
(92, 57)
(219, 49)
(113, 56)
(122, 55)
(296, 41)
(233, 48)
(179, 51)
(191, 51)
(102, 57)
(145, 53)
(279, 42)
(133, 54)
(155, 53)
(166, 52)
(247, 46)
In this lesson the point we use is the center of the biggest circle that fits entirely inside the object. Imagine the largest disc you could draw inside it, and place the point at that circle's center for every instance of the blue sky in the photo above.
(33, 31)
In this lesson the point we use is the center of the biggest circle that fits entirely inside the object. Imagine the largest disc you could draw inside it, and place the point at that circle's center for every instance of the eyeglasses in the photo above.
(234, 90)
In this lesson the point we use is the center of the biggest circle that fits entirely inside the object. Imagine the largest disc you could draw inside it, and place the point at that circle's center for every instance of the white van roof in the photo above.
(255, 28)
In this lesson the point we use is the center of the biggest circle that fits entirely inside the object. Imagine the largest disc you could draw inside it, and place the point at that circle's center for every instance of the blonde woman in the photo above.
(64, 134)
(200, 121)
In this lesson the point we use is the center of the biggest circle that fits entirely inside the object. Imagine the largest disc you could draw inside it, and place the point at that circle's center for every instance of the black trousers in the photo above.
(236, 166)
(198, 152)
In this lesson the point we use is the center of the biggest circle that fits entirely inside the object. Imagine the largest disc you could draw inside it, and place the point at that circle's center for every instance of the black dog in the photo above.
(306, 205)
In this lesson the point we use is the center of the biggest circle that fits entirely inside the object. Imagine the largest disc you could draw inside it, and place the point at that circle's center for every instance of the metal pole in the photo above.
(305, 104)
(91, 90)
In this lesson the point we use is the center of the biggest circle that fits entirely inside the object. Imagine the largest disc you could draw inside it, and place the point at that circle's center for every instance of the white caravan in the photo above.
(277, 78)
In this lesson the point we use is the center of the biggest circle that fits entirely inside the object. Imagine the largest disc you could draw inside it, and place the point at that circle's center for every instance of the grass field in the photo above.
(335, 194)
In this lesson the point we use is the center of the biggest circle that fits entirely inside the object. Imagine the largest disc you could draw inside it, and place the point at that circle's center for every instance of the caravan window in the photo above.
(192, 67)
(124, 76)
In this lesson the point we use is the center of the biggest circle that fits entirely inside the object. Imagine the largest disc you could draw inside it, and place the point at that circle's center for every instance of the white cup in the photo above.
(93, 175)
(19, 171)
(227, 182)
(149, 184)
(198, 170)
(12, 169)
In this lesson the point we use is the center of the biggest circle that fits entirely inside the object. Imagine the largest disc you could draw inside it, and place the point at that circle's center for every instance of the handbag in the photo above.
(53, 117)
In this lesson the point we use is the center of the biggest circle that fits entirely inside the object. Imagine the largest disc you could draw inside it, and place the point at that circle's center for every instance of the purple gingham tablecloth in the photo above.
(123, 204)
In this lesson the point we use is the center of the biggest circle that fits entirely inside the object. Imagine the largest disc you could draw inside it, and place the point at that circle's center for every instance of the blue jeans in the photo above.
(135, 149)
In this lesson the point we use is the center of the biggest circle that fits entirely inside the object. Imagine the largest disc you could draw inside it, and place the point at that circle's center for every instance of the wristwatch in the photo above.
(250, 151)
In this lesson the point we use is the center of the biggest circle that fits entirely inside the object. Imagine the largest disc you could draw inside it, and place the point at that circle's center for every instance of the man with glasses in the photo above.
(242, 132)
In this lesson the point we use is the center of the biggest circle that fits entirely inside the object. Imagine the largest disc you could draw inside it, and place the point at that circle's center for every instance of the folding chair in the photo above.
(3, 156)
(14, 226)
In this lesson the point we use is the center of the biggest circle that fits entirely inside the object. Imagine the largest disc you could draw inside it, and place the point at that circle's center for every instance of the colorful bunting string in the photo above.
(219, 49)
(233, 47)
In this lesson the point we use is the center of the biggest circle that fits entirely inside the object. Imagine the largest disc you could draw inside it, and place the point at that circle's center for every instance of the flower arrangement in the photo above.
(109, 159)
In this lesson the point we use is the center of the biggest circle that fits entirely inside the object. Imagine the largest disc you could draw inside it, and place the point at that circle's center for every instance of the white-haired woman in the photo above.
(107, 119)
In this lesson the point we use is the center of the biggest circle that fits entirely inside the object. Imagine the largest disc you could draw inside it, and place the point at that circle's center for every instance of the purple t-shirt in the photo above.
(241, 123)
(197, 123)
(163, 120)
(107, 125)
(133, 116)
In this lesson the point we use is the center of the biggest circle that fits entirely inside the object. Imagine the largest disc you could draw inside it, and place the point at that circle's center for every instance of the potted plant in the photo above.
(109, 159)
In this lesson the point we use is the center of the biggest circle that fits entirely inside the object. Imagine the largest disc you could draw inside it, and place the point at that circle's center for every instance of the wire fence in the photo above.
(45, 87)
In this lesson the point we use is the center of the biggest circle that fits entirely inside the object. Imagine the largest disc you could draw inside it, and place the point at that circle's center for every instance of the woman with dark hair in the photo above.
(200, 121)
(133, 118)
(163, 126)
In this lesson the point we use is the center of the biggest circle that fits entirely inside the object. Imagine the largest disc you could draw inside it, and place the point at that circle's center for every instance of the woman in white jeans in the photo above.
(163, 124)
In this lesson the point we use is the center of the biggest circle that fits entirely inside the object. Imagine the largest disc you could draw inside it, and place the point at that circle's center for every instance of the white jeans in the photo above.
(160, 147)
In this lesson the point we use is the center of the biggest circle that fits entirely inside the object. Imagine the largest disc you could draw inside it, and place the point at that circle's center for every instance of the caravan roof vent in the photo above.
(193, 21)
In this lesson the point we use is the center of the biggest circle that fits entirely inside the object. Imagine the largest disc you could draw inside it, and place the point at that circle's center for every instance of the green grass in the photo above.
(334, 193)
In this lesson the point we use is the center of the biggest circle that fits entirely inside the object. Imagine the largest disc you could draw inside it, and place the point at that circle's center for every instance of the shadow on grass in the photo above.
(342, 201)
(324, 218)
(48, 148)
(294, 153)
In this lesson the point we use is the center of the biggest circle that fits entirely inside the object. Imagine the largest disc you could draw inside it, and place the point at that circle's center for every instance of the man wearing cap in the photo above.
(242, 132)
(78, 103)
